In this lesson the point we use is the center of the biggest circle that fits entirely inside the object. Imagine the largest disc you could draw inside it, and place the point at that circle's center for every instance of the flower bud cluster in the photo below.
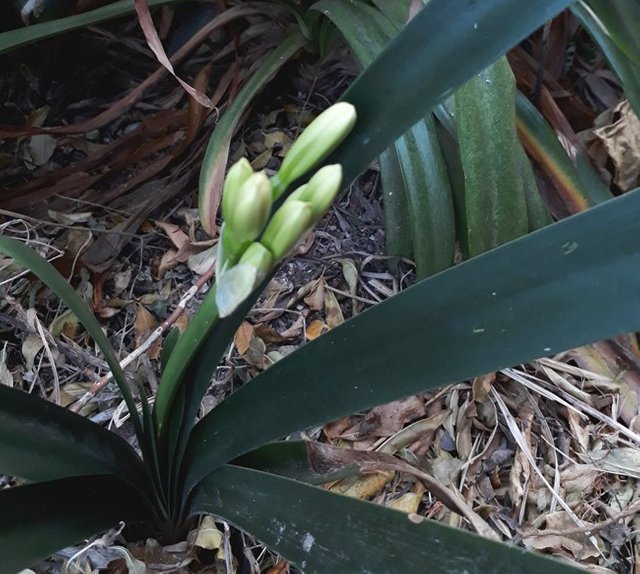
(252, 239)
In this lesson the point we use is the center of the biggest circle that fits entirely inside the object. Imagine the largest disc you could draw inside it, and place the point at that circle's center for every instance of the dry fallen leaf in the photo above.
(208, 536)
(388, 419)
(621, 139)
(243, 337)
(316, 329)
(144, 323)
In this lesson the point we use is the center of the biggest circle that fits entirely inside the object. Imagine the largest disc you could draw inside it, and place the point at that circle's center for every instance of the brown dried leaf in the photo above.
(243, 337)
(333, 312)
(325, 459)
(256, 353)
(408, 502)
(316, 329)
(388, 419)
(316, 294)
(363, 487)
(295, 330)
(622, 142)
(143, 325)
(151, 35)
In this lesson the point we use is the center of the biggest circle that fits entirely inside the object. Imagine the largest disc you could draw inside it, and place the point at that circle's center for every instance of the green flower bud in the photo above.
(259, 257)
(238, 173)
(286, 227)
(322, 189)
(248, 209)
(315, 143)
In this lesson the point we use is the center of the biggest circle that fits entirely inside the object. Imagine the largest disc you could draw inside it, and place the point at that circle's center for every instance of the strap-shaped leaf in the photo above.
(23, 36)
(495, 203)
(566, 285)
(423, 200)
(42, 441)
(579, 188)
(429, 198)
(51, 278)
(445, 44)
(627, 69)
(214, 164)
(38, 519)
(321, 532)
(621, 18)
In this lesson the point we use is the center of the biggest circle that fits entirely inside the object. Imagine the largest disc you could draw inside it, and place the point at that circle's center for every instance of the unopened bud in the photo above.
(322, 189)
(286, 227)
(238, 173)
(315, 143)
(249, 208)
(258, 256)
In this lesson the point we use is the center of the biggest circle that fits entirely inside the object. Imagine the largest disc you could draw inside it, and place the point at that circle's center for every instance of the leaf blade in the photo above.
(38, 519)
(467, 36)
(323, 532)
(22, 36)
(49, 276)
(500, 302)
(42, 441)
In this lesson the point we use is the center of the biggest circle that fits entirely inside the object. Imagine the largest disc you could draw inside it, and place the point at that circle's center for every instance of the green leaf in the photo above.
(621, 19)
(443, 46)
(290, 459)
(397, 224)
(38, 519)
(214, 164)
(429, 198)
(521, 301)
(196, 380)
(181, 357)
(496, 208)
(23, 36)
(579, 189)
(58, 284)
(423, 198)
(611, 35)
(42, 441)
(397, 11)
(365, 29)
(323, 532)
(537, 213)
(50, 9)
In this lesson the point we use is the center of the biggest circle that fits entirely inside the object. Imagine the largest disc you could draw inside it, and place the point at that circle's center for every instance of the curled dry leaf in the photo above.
(388, 419)
(621, 139)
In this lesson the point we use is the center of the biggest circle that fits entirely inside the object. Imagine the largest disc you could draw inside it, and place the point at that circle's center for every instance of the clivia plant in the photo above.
(568, 284)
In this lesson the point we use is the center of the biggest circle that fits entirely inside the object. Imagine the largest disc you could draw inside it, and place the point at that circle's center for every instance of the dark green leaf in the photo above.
(397, 11)
(485, 113)
(292, 459)
(397, 224)
(429, 198)
(516, 303)
(321, 532)
(621, 18)
(38, 519)
(537, 213)
(444, 45)
(58, 284)
(626, 69)
(23, 36)
(366, 30)
(197, 379)
(42, 441)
